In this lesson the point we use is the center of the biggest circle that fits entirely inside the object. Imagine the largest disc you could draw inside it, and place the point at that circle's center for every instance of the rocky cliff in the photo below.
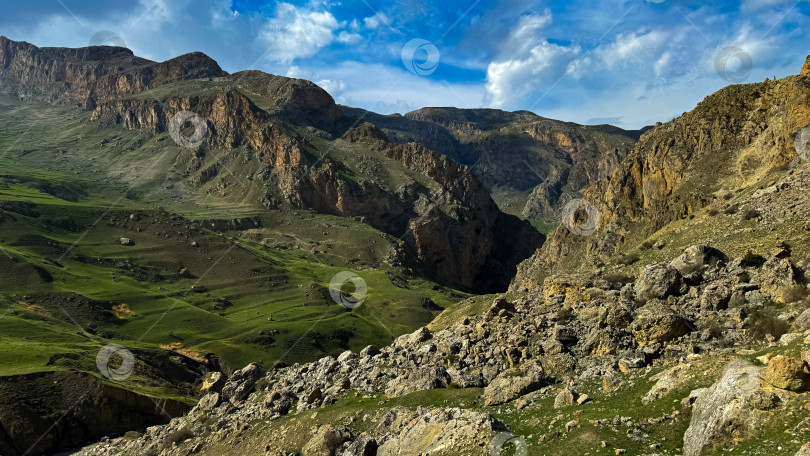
(303, 152)
(531, 164)
(703, 171)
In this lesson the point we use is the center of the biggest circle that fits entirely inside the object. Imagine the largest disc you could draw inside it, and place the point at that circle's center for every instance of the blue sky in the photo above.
(626, 62)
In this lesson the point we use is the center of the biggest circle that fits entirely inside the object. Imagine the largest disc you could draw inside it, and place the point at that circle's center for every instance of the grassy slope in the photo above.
(262, 297)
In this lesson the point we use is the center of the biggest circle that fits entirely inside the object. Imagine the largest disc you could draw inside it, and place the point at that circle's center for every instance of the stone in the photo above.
(695, 259)
(364, 445)
(657, 323)
(126, 241)
(213, 382)
(786, 372)
(723, 413)
(445, 431)
(666, 382)
(325, 442)
(242, 383)
(805, 449)
(658, 281)
(779, 279)
(513, 383)
(611, 382)
(564, 398)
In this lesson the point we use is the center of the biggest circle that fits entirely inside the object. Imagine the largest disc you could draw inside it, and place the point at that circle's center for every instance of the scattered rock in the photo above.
(786, 373)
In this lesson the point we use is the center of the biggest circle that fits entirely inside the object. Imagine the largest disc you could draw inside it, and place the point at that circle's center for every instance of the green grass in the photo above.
(259, 298)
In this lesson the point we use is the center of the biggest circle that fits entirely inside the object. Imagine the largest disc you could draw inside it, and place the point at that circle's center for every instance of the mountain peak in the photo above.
(806, 67)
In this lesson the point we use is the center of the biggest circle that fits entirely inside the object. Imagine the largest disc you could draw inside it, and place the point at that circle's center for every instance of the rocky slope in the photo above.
(531, 164)
(689, 321)
(287, 128)
(734, 165)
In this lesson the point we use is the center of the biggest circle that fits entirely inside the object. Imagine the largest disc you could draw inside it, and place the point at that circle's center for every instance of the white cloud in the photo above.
(376, 21)
(633, 47)
(348, 38)
(528, 60)
(388, 89)
(297, 32)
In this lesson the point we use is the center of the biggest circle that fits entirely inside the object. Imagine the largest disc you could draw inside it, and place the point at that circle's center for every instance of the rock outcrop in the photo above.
(531, 164)
(723, 150)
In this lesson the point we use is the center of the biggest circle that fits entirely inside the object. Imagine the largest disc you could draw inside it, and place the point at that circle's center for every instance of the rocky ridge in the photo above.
(720, 157)
(531, 164)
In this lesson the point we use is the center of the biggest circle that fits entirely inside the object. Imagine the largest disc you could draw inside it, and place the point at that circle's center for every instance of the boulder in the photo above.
(242, 383)
(786, 372)
(439, 432)
(695, 259)
(729, 411)
(564, 398)
(806, 67)
(805, 449)
(513, 383)
(667, 381)
(657, 323)
(425, 378)
(364, 445)
(325, 442)
(779, 279)
(213, 382)
(658, 281)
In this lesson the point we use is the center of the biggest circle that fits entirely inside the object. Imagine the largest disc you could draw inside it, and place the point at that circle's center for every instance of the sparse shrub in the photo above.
(753, 260)
(731, 210)
(744, 277)
(564, 314)
(691, 216)
(713, 212)
(647, 245)
(617, 280)
(628, 259)
(749, 213)
(760, 323)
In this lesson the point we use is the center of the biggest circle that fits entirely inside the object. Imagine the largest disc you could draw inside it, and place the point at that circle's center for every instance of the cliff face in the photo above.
(440, 210)
(735, 140)
(92, 75)
(531, 164)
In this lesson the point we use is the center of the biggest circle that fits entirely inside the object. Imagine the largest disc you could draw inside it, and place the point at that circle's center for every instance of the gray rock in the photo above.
(564, 398)
(695, 259)
(726, 411)
(513, 383)
(658, 281)
(242, 383)
(325, 442)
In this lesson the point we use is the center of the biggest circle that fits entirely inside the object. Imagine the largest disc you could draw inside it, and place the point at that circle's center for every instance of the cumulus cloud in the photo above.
(528, 59)
(297, 32)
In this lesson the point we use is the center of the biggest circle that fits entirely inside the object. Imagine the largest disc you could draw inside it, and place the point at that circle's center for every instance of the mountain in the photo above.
(445, 217)
(209, 240)
(667, 314)
(532, 165)
(728, 174)
(184, 227)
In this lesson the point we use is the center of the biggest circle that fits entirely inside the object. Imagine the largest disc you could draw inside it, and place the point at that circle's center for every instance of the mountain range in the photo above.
(520, 283)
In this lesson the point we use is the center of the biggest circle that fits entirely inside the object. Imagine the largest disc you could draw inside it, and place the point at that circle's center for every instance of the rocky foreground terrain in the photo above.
(696, 329)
